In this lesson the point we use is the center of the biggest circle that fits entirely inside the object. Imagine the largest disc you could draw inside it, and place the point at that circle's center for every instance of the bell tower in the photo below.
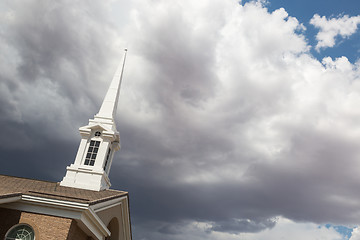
(99, 141)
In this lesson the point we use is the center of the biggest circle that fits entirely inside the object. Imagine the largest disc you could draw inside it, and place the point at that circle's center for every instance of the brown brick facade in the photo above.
(45, 227)
(76, 233)
(49, 226)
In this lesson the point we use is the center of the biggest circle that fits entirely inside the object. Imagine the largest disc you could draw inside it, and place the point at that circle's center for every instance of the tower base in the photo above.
(86, 178)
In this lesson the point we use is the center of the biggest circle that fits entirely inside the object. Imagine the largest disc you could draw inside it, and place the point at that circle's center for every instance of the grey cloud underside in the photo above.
(59, 43)
(215, 123)
(302, 187)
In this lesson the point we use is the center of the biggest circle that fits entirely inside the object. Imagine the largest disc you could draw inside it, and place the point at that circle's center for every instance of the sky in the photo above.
(238, 119)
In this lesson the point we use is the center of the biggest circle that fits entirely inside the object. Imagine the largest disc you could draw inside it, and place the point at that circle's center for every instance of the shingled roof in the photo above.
(16, 186)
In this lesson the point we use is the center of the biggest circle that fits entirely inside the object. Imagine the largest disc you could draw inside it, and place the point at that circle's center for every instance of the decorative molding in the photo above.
(108, 204)
(87, 219)
(10, 199)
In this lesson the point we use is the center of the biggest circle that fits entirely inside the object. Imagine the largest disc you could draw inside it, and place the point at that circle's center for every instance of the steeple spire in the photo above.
(109, 105)
(99, 141)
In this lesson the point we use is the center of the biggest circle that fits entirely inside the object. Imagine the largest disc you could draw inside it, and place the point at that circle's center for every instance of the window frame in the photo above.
(19, 225)
(92, 152)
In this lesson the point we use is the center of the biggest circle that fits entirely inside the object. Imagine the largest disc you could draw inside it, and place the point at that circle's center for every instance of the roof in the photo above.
(16, 186)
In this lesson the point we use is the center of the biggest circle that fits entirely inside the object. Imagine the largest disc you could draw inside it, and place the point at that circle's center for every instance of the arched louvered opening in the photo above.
(113, 226)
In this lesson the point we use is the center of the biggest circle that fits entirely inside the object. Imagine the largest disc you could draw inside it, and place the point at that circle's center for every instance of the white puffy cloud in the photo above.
(330, 29)
(287, 229)
(355, 234)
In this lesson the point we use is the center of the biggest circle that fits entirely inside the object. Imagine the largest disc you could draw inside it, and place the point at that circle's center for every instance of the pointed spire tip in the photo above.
(109, 106)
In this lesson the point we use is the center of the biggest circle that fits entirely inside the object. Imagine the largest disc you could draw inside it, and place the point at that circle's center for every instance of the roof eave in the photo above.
(88, 221)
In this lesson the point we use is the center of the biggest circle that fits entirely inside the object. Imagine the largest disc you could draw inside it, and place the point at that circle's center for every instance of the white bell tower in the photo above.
(99, 141)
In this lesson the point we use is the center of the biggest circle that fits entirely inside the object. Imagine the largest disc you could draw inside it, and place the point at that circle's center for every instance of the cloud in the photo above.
(297, 231)
(330, 29)
(267, 130)
(284, 229)
(226, 120)
(53, 55)
(242, 225)
(355, 234)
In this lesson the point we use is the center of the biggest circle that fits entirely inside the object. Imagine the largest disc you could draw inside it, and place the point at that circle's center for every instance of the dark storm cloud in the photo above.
(60, 42)
(300, 186)
(243, 225)
(58, 52)
(30, 163)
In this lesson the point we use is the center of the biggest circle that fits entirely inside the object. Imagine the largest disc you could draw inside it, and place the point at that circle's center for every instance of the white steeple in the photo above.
(109, 105)
(99, 141)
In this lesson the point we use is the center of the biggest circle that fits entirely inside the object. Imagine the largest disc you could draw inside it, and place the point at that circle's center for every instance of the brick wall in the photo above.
(46, 227)
(75, 233)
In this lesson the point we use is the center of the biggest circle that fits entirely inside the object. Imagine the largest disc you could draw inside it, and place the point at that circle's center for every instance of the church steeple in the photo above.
(99, 141)
(109, 105)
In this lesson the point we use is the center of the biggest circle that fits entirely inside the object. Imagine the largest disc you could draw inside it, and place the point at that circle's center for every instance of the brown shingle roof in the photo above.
(15, 186)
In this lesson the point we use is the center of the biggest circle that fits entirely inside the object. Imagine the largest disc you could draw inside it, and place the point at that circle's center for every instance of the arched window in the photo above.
(20, 232)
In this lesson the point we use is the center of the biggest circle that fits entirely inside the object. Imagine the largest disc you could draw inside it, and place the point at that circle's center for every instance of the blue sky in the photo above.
(345, 231)
(305, 10)
(237, 121)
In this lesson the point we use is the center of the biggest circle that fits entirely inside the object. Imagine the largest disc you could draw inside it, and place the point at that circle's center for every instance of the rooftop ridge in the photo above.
(17, 186)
